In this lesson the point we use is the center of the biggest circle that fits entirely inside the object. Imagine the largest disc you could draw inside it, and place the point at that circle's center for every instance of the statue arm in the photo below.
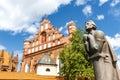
(90, 43)
(86, 43)
(94, 46)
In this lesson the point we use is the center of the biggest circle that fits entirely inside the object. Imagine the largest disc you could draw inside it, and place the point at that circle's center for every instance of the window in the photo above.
(29, 51)
(54, 36)
(46, 26)
(58, 42)
(40, 38)
(49, 38)
(53, 43)
(36, 48)
(49, 44)
(47, 70)
(43, 37)
(33, 44)
(40, 47)
(44, 46)
(41, 28)
(32, 50)
(36, 42)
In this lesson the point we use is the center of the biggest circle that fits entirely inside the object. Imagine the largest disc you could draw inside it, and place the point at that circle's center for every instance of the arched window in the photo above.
(58, 42)
(47, 70)
(32, 50)
(43, 37)
(36, 48)
(33, 44)
(37, 42)
(46, 26)
(49, 44)
(54, 36)
(49, 38)
(29, 51)
(53, 43)
(41, 28)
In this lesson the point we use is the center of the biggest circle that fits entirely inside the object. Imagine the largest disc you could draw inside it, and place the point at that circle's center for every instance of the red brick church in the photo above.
(40, 54)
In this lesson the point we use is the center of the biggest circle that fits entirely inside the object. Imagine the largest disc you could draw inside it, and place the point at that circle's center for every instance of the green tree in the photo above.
(74, 58)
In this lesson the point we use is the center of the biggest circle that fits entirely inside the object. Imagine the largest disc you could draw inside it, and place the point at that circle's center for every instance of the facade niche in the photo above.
(43, 37)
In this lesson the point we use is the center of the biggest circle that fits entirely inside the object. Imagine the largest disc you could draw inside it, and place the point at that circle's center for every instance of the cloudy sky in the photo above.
(20, 19)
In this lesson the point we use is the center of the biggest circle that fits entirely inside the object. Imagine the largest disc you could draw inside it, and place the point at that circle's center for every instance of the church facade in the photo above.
(41, 54)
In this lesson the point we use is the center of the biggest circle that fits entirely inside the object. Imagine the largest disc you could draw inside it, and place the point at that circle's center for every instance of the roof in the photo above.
(46, 59)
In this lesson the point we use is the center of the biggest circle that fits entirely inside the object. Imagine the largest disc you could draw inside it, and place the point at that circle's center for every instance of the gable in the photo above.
(46, 37)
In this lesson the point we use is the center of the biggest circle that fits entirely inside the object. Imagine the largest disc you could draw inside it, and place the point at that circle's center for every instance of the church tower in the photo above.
(26, 46)
(71, 28)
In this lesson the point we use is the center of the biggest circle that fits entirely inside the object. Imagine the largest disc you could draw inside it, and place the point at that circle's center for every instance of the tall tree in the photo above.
(74, 58)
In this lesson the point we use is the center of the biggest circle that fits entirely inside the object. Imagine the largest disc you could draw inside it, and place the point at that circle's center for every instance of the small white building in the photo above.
(46, 66)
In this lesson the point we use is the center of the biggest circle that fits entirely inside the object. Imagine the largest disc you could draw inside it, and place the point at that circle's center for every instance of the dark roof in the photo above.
(46, 59)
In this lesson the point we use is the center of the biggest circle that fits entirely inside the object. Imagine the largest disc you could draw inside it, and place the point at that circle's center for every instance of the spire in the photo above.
(12, 55)
(16, 58)
(2, 54)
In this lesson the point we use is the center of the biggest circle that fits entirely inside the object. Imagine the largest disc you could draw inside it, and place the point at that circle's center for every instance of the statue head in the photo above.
(90, 25)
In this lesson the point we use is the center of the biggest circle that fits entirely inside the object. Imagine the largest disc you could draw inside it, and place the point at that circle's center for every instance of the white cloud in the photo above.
(20, 54)
(30, 37)
(100, 17)
(80, 2)
(114, 3)
(118, 62)
(31, 29)
(101, 2)
(114, 41)
(115, 12)
(87, 10)
(60, 29)
(19, 15)
(2, 47)
(66, 32)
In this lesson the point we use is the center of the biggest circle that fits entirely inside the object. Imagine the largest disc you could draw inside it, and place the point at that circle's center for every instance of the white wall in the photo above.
(41, 70)
(27, 67)
(58, 64)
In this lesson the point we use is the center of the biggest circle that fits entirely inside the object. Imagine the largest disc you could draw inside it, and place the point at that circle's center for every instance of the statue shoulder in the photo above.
(99, 34)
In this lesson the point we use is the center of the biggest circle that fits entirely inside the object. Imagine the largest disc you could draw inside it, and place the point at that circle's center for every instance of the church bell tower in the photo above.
(71, 28)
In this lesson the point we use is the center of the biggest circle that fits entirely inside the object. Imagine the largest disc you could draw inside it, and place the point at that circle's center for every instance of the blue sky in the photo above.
(20, 19)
